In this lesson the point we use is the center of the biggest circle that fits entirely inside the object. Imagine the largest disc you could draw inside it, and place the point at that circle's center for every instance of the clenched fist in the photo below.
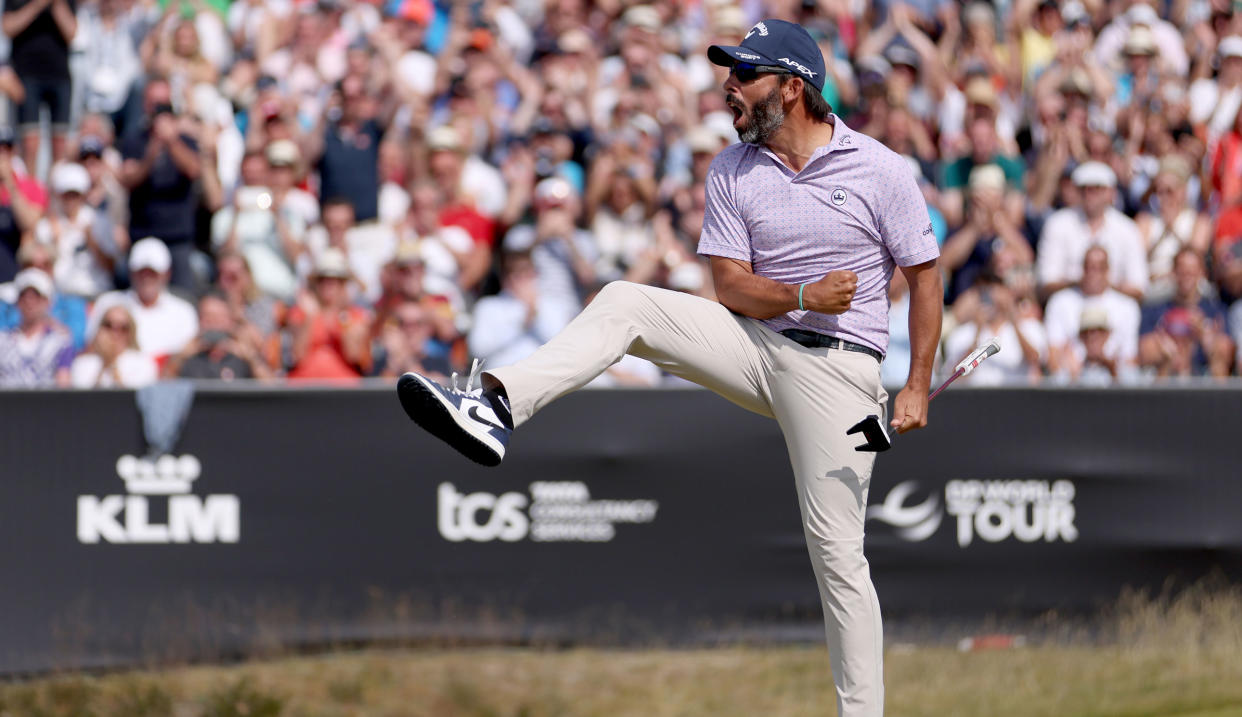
(831, 294)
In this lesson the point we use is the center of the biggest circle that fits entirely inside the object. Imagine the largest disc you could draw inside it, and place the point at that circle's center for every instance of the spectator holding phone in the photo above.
(1185, 336)
(160, 168)
(217, 352)
(988, 310)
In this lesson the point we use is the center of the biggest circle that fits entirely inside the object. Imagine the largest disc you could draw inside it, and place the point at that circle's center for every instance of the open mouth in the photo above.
(737, 111)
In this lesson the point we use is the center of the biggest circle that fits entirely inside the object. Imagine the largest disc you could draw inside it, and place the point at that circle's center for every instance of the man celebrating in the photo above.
(805, 221)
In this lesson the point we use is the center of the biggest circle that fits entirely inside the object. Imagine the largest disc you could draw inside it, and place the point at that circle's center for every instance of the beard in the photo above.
(764, 119)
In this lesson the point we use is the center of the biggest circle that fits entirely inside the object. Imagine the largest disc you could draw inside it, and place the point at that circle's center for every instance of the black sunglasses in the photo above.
(746, 72)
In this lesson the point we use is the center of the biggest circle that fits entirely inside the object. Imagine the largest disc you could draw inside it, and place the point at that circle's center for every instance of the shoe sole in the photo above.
(425, 407)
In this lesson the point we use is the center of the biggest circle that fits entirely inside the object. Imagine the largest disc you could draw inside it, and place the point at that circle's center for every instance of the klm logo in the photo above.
(165, 484)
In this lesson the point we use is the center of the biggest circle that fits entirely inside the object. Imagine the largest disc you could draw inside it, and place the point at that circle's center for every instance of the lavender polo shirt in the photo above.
(855, 205)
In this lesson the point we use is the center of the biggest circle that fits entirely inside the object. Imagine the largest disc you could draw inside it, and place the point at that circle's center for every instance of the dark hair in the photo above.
(215, 294)
(813, 101)
(509, 258)
(335, 201)
(1188, 250)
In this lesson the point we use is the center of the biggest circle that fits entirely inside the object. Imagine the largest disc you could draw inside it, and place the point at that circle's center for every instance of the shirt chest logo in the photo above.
(838, 196)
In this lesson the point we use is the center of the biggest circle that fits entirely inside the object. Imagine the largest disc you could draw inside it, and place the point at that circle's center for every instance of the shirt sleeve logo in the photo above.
(838, 196)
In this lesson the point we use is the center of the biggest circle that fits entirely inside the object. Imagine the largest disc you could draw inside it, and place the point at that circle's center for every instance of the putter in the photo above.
(880, 439)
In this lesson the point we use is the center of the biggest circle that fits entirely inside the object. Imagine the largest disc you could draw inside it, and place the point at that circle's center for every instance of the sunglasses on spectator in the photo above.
(115, 325)
(746, 72)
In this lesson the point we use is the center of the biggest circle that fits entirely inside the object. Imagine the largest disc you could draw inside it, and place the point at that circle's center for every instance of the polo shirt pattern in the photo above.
(33, 364)
(855, 205)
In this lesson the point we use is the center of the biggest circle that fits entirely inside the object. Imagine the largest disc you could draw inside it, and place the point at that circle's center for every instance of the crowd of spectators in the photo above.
(337, 189)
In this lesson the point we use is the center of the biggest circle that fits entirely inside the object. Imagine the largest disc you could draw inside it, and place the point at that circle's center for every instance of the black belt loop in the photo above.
(812, 340)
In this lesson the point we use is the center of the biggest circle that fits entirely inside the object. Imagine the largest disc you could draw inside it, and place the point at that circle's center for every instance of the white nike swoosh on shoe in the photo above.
(463, 421)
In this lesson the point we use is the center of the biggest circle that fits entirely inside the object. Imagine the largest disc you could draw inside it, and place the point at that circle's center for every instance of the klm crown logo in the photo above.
(166, 475)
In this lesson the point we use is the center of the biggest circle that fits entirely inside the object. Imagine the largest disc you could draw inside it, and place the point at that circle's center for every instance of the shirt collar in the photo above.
(843, 140)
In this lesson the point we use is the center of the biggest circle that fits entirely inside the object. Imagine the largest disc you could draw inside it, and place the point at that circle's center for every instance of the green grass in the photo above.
(1150, 657)
(653, 683)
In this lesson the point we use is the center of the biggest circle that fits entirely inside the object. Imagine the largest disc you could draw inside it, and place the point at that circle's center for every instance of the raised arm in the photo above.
(65, 19)
(15, 21)
(746, 293)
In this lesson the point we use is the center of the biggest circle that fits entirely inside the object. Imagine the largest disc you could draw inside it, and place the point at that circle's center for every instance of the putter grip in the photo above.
(977, 357)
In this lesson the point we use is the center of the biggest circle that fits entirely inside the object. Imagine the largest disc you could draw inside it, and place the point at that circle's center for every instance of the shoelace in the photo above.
(476, 368)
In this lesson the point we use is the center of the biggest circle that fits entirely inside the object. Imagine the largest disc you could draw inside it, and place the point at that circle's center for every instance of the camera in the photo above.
(210, 339)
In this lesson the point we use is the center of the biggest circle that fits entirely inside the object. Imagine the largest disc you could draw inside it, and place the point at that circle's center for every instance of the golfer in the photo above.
(806, 220)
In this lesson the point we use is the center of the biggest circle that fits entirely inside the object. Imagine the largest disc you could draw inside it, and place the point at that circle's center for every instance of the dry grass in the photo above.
(1162, 656)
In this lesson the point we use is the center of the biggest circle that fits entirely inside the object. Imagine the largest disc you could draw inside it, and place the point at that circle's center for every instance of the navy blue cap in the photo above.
(90, 146)
(779, 43)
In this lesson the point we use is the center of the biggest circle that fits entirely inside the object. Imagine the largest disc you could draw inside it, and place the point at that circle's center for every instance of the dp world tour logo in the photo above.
(759, 28)
(1030, 511)
(913, 523)
(163, 483)
(555, 511)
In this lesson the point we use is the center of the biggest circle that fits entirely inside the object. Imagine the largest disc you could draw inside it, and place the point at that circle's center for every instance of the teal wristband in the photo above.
(800, 288)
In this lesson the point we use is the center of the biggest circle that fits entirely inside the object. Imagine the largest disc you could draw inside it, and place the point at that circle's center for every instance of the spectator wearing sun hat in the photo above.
(1110, 44)
(1092, 358)
(1069, 232)
(1139, 82)
(987, 228)
(330, 336)
(1067, 310)
(469, 180)
(1175, 222)
(284, 169)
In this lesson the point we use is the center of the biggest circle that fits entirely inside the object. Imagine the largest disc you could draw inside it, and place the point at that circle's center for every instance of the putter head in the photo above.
(877, 437)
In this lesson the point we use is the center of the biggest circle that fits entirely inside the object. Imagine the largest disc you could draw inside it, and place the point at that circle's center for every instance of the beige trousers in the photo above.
(815, 395)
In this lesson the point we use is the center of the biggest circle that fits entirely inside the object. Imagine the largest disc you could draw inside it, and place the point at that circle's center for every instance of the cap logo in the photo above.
(760, 28)
(798, 66)
(838, 197)
(746, 56)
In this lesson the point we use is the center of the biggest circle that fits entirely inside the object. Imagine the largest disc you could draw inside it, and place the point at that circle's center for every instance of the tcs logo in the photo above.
(481, 517)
